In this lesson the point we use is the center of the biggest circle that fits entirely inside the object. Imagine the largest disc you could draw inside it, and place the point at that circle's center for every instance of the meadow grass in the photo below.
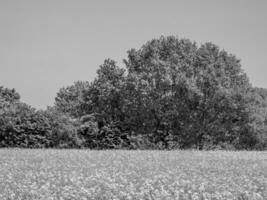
(84, 174)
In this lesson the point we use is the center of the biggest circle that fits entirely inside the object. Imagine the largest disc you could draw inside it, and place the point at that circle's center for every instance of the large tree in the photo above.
(172, 93)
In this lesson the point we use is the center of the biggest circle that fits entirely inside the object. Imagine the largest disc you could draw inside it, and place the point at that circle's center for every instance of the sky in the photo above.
(48, 44)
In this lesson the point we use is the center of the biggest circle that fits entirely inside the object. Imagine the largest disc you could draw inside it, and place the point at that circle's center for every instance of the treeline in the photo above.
(171, 94)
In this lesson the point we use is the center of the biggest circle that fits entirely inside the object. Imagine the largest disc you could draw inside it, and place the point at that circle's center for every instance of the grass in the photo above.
(83, 174)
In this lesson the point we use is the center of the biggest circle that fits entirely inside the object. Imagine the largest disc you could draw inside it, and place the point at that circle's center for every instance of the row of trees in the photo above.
(170, 94)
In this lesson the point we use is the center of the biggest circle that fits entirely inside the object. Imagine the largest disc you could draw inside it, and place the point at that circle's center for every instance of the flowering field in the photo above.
(84, 174)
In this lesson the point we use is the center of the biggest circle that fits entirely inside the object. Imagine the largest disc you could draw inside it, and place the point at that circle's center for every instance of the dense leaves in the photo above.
(171, 94)
(196, 95)
(22, 126)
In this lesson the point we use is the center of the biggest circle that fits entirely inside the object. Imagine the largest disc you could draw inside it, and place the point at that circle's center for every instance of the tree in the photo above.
(173, 93)
(102, 100)
(70, 99)
(223, 86)
(258, 101)
(157, 76)
(196, 94)
(62, 129)
(22, 126)
(8, 95)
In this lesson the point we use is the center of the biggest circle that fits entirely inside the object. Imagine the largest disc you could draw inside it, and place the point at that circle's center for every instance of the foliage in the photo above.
(22, 126)
(171, 94)
(62, 129)
(197, 95)
(69, 99)
(8, 95)
(258, 98)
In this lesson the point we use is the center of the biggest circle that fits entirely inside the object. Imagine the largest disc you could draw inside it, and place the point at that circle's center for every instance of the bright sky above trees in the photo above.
(45, 45)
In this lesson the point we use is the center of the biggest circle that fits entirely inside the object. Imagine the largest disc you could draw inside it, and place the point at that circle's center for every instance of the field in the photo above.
(83, 174)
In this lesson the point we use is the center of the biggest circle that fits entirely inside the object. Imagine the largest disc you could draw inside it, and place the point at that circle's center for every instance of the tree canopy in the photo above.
(170, 93)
